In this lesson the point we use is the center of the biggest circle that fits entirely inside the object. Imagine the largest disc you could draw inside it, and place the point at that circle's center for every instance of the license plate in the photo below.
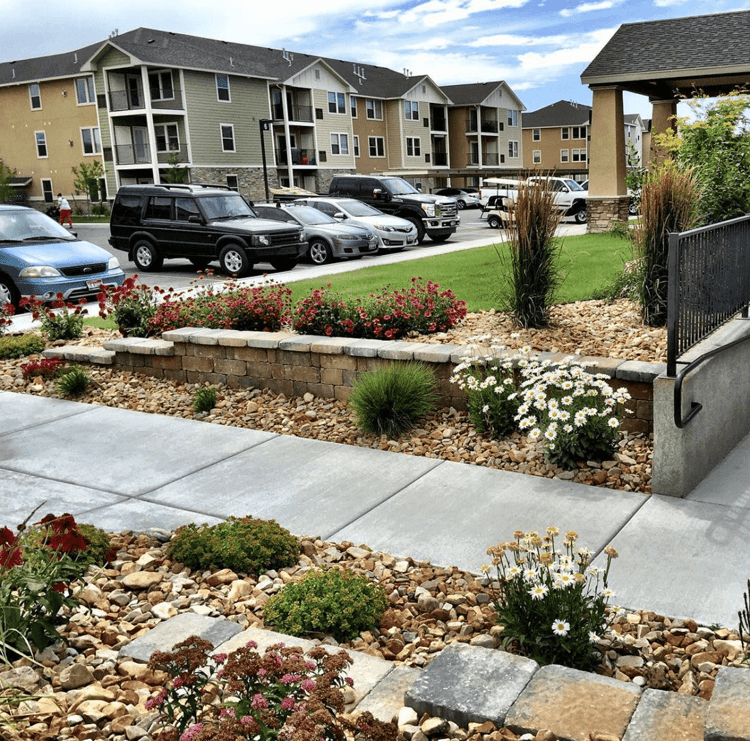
(93, 285)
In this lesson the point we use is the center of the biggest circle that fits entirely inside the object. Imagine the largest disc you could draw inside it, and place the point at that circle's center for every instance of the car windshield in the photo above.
(311, 216)
(357, 208)
(17, 226)
(225, 207)
(573, 185)
(399, 187)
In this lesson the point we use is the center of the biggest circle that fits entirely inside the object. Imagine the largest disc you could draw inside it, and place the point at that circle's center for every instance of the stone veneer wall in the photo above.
(295, 364)
(249, 179)
(603, 211)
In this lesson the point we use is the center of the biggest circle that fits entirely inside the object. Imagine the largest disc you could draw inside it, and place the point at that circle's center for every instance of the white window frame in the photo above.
(413, 143)
(235, 184)
(43, 143)
(223, 137)
(353, 106)
(89, 97)
(411, 110)
(565, 133)
(374, 106)
(336, 102)
(37, 95)
(376, 144)
(356, 145)
(564, 155)
(339, 144)
(513, 149)
(45, 191)
(219, 88)
(512, 117)
(159, 73)
(578, 155)
(165, 127)
(536, 135)
(536, 157)
(94, 139)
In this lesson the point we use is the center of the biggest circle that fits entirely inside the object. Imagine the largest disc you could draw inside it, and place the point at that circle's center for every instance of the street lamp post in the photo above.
(265, 125)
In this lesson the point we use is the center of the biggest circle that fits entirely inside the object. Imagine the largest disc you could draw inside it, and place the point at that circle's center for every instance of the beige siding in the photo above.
(393, 113)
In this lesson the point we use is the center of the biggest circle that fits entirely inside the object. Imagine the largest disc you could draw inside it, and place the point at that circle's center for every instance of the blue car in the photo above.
(38, 257)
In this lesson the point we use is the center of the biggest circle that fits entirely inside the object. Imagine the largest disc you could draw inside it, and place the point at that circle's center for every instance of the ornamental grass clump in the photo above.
(281, 693)
(391, 400)
(574, 413)
(551, 603)
(531, 262)
(204, 399)
(73, 382)
(489, 381)
(334, 601)
(245, 544)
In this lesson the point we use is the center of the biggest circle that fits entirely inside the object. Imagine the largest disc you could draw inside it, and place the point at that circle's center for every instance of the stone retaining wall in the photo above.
(295, 364)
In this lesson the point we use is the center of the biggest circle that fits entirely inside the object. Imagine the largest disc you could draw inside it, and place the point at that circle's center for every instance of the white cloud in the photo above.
(584, 52)
(591, 7)
(667, 3)
(508, 39)
(437, 12)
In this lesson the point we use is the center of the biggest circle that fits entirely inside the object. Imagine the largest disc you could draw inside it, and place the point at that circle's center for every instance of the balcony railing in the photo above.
(181, 155)
(471, 126)
(491, 127)
(301, 157)
(127, 154)
(472, 159)
(490, 158)
(134, 100)
(440, 159)
(303, 113)
(438, 123)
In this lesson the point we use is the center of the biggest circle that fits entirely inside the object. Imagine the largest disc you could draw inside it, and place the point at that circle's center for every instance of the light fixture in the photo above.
(65, 93)
(70, 142)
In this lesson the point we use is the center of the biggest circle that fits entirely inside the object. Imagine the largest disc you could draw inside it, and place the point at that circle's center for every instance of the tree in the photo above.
(87, 179)
(176, 173)
(716, 146)
(6, 189)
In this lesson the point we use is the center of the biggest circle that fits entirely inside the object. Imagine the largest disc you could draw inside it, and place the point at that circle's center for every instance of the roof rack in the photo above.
(190, 186)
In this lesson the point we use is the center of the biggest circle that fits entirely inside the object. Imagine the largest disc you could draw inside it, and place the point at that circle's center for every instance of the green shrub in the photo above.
(60, 319)
(337, 602)
(625, 285)
(20, 346)
(73, 382)
(391, 400)
(204, 399)
(247, 545)
(98, 548)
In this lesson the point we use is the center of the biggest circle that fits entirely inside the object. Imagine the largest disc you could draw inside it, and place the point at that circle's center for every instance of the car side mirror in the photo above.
(381, 195)
(195, 220)
(340, 216)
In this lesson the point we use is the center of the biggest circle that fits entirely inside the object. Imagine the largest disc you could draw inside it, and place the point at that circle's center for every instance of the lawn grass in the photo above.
(588, 262)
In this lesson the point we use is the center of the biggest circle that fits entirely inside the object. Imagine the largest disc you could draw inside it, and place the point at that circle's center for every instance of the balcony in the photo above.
(180, 154)
(133, 99)
(491, 127)
(471, 126)
(300, 157)
(490, 158)
(440, 159)
(301, 113)
(128, 154)
(438, 123)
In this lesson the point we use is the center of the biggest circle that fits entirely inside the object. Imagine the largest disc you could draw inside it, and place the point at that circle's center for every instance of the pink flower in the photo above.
(251, 644)
(308, 685)
(287, 703)
(259, 702)
(349, 681)
(220, 658)
(192, 732)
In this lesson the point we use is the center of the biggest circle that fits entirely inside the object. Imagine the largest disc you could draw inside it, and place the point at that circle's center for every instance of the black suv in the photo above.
(202, 223)
(435, 216)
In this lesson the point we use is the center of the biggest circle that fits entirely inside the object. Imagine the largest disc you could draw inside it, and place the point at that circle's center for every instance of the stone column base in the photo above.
(603, 210)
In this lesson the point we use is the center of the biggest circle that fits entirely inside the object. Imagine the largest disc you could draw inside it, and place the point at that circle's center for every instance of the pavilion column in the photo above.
(608, 195)
(663, 117)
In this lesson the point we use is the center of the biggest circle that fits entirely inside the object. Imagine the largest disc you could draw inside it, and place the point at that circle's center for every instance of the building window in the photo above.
(92, 144)
(353, 106)
(565, 132)
(512, 149)
(167, 137)
(233, 182)
(222, 89)
(227, 137)
(85, 90)
(336, 103)
(536, 135)
(579, 155)
(339, 144)
(579, 132)
(413, 146)
(374, 109)
(35, 95)
(356, 146)
(537, 156)
(411, 110)
(376, 145)
(564, 155)
(160, 84)
(47, 190)
(41, 143)
(512, 117)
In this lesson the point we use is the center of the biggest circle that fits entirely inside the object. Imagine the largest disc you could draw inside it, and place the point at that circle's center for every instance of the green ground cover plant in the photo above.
(241, 544)
(335, 601)
(587, 261)
(18, 346)
(393, 399)
(73, 382)
(204, 399)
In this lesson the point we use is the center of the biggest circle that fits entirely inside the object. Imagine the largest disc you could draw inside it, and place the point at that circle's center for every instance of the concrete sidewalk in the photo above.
(124, 470)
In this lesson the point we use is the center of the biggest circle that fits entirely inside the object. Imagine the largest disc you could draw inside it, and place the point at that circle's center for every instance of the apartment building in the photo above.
(147, 101)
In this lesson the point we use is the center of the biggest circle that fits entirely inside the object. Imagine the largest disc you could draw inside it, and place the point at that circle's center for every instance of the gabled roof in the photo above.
(476, 93)
(562, 113)
(675, 52)
(57, 66)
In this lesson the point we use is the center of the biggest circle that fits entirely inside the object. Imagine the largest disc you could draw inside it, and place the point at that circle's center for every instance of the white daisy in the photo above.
(560, 628)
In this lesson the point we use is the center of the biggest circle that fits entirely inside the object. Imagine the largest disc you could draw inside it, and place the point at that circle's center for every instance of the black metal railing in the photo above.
(708, 286)
(440, 159)
(489, 127)
(127, 154)
(438, 123)
(295, 112)
(491, 158)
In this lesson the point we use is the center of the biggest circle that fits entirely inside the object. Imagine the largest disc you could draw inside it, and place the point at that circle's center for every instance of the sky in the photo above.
(539, 47)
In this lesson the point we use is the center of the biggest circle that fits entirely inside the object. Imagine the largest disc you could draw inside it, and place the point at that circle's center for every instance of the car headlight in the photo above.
(262, 239)
(384, 228)
(347, 237)
(39, 271)
(302, 237)
(113, 263)
(429, 208)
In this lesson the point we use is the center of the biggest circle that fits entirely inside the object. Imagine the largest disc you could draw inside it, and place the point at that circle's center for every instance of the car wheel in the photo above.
(320, 252)
(580, 216)
(233, 261)
(8, 292)
(284, 263)
(632, 209)
(461, 205)
(494, 221)
(200, 262)
(146, 256)
(420, 227)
